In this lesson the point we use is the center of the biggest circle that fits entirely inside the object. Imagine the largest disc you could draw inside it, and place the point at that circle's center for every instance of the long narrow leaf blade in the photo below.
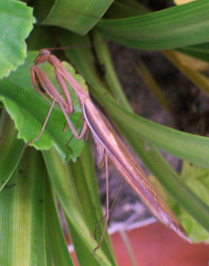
(22, 227)
(59, 249)
(11, 148)
(64, 188)
(77, 16)
(84, 178)
(171, 28)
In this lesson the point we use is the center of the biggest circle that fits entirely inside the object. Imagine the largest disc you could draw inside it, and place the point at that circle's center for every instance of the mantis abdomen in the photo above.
(126, 164)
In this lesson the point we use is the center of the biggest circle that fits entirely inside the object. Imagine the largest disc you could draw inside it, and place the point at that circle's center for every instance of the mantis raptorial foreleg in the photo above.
(65, 90)
(45, 84)
(73, 129)
(39, 77)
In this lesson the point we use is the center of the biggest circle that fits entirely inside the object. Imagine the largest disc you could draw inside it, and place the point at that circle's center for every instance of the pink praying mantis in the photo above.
(109, 145)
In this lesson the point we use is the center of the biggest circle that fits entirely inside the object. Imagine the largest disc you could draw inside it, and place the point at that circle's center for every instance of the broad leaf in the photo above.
(16, 22)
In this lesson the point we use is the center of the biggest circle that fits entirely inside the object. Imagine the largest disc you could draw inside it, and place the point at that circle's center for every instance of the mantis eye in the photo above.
(42, 57)
(44, 52)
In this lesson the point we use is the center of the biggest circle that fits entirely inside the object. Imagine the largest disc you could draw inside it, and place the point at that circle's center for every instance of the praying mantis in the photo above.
(108, 143)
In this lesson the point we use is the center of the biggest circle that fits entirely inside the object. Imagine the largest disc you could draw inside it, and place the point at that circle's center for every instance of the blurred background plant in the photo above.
(32, 179)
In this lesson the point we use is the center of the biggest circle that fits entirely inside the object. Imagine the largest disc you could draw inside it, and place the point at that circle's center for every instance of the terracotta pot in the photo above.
(158, 246)
(155, 245)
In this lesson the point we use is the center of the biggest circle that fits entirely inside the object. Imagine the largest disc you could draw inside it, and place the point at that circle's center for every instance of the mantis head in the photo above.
(43, 56)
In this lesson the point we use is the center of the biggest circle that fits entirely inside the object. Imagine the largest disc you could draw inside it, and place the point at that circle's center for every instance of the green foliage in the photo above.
(77, 16)
(30, 181)
(22, 224)
(171, 28)
(196, 178)
(15, 25)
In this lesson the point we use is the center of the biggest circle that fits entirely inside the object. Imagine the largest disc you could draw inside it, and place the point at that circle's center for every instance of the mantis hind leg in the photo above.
(111, 207)
(108, 210)
(107, 203)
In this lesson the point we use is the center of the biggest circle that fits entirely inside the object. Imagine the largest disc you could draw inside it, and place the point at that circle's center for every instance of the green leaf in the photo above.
(197, 178)
(41, 37)
(109, 76)
(62, 182)
(200, 51)
(29, 110)
(171, 28)
(11, 148)
(77, 16)
(83, 254)
(59, 248)
(15, 25)
(183, 145)
(22, 225)
(87, 192)
(122, 9)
